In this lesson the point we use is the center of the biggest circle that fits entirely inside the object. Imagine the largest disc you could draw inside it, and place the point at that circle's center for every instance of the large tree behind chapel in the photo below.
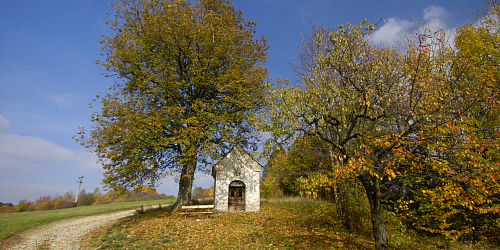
(188, 77)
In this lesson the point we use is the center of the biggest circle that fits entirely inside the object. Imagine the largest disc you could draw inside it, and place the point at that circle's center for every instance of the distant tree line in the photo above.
(67, 200)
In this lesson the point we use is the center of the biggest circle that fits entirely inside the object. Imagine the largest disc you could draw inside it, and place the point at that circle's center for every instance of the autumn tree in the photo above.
(188, 76)
(349, 87)
(388, 114)
(197, 191)
(463, 201)
(209, 192)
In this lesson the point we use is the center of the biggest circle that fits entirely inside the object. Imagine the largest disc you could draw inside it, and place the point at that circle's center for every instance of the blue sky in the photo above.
(48, 75)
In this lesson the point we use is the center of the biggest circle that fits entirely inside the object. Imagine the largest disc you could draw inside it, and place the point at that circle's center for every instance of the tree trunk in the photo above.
(185, 184)
(333, 168)
(372, 188)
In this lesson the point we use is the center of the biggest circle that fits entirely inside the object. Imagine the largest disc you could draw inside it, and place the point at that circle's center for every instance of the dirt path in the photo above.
(62, 234)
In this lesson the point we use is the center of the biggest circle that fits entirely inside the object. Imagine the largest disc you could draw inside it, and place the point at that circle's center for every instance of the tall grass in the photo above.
(288, 199)
(12, 223)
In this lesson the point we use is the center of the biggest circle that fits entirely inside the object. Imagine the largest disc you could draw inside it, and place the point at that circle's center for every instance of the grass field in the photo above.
(12, 223)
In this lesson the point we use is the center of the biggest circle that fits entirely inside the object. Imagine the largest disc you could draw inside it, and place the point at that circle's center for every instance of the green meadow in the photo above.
(12, 223)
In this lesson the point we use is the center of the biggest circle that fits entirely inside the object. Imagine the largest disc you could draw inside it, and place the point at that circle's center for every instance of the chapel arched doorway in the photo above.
(236, 197)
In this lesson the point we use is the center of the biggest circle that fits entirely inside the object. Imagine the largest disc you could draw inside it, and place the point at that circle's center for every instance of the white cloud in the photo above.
(390, 32)
(4, 124)
(33, 149)
(22, 151)
(31, 167)
(434, 18)
(434, 12)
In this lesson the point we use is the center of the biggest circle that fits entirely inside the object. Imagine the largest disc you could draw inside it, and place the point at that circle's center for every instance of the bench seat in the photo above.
(198, 213)
(197, 207)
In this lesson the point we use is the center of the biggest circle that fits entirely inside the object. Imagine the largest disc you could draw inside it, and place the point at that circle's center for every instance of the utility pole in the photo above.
(79, 184)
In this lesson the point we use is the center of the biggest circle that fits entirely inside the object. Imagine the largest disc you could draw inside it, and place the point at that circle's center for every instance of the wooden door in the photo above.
(236, 199)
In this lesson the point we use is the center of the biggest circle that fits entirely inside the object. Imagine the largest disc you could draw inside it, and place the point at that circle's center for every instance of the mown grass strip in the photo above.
(12, 223)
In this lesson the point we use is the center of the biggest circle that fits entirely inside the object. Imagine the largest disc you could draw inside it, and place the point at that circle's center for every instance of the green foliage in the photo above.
(140, 194)
(68, 196)
(164, 196)
(353, 210)
(197, 192)
(270, 186)
(189, 76)
(305, 157)
(354, 95)
(87, 199)
(314, 183)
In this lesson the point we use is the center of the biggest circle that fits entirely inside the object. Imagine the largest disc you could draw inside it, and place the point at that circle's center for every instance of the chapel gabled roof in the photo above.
(238, 149)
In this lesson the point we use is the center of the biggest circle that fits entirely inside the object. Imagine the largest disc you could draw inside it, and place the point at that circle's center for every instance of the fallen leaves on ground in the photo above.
(276, 226)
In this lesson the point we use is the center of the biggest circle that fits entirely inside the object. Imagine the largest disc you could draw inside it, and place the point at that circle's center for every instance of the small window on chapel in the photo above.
(240, 194)
(232, 193)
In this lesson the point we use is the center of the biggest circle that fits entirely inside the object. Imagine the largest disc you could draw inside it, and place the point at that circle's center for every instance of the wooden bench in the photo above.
(197, 207)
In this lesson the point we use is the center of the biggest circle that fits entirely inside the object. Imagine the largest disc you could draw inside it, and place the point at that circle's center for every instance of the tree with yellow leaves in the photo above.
(394, 118)
(188, 78)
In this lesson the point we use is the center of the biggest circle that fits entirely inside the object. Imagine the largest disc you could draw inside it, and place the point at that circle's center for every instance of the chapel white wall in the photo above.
(237, 166)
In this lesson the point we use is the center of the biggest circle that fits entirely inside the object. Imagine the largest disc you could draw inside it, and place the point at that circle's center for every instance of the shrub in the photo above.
(11, 209)
(6, 207)
(44, 203)
(69, 196)
(67, 204)
(353, 209)
(57, 202)
(23, 206)
(87, 199)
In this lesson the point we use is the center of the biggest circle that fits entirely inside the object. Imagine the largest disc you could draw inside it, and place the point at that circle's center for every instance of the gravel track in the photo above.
(63, 234)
